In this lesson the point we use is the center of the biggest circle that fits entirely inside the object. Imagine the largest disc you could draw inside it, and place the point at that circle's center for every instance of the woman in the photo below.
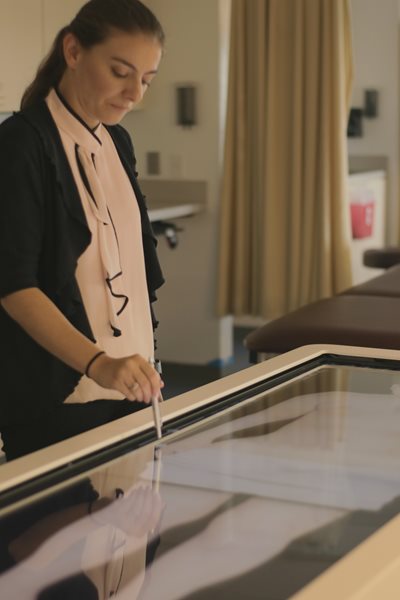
(77, 254)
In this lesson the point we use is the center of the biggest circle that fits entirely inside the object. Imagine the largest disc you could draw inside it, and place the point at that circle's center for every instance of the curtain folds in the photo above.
(285, 223)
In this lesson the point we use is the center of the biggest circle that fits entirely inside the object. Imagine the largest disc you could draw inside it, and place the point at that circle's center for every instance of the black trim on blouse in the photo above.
(109, 279)
(83, 175)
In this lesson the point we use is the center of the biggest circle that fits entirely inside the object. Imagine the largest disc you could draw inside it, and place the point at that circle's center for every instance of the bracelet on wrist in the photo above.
(91, 361)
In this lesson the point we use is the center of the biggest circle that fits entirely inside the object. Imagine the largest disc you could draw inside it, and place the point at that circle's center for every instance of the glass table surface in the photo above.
(253, 502)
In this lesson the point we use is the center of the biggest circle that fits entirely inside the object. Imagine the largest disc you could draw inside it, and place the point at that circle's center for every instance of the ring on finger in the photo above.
(134, 386)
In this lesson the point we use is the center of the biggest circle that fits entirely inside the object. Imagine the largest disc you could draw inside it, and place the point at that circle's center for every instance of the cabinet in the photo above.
(20, 48)
(57, 14)
(27, 31)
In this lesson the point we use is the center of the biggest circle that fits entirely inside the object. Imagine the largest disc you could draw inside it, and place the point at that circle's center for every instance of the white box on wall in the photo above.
(368, 189)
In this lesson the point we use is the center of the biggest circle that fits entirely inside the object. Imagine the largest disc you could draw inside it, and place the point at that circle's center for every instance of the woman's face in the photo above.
(106, 81)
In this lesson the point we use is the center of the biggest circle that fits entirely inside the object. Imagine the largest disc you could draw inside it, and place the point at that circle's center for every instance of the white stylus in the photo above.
(155, 403)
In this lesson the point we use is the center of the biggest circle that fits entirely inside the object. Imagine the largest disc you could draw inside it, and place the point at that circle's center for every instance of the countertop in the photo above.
(159, 211)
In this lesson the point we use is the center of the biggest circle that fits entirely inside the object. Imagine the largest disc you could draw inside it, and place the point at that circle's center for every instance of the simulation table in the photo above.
(280, 481)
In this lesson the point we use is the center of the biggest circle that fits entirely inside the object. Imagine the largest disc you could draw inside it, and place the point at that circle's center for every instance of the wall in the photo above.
(377, 65)
(196, 48)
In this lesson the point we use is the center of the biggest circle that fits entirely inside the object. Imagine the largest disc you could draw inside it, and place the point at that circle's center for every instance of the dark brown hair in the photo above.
(92, 25)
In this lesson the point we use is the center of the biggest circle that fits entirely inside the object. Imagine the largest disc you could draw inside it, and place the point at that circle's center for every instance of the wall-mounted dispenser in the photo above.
(186, 105)
(369, 110)
(371, 103)
(355, 124)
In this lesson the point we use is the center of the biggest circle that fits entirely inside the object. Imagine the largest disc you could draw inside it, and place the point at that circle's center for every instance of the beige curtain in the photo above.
(285, 223)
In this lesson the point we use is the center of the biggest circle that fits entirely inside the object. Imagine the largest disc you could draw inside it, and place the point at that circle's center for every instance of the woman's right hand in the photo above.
(133, 376)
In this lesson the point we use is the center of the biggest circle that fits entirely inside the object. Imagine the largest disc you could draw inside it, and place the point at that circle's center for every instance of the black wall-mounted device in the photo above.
(186, 105)
(371, 103)
(354, 125)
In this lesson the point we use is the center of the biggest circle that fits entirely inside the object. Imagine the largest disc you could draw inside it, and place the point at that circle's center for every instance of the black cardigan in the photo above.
(43, 231)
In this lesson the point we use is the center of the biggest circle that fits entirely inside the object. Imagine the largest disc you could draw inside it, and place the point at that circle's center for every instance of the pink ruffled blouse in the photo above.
(111, 272)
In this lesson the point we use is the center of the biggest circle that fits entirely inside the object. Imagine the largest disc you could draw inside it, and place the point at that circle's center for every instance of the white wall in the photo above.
(189, 331)
(377, 66)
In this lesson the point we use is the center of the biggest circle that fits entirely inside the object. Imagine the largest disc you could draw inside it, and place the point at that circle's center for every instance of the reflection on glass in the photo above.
(88, 540)
(253, 503)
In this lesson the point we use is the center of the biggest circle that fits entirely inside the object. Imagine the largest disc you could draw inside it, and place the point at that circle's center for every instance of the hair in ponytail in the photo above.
(92, 25)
